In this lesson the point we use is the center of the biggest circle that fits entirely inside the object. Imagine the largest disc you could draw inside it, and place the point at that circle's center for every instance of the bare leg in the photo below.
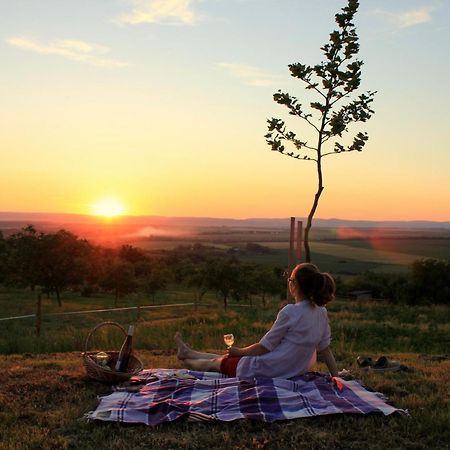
(204, 365)
(185, 352)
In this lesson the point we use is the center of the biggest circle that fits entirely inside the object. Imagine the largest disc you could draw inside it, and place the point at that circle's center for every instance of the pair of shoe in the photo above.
(383, 363)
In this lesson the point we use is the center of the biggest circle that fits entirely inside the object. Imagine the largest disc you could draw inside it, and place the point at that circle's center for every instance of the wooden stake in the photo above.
(291, 256)
(291, 246)
(138, 312)
(299, 241)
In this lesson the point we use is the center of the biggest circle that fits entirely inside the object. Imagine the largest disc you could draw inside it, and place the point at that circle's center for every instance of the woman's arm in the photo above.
(251, 350)
(269, 341)
(327, 356)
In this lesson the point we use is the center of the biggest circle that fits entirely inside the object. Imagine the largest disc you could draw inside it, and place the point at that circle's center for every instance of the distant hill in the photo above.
(17, 219)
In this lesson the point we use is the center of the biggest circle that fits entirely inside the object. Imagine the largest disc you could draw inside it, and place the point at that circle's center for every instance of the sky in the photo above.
(161, 106)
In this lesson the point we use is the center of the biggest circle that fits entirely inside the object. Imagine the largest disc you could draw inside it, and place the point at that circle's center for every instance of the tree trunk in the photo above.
(319, 184)
(309, 223)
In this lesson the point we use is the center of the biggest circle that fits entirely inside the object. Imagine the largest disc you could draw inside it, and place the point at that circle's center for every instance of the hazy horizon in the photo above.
(43, 216)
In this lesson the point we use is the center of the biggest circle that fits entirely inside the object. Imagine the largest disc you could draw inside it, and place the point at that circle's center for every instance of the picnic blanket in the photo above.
(168, 395)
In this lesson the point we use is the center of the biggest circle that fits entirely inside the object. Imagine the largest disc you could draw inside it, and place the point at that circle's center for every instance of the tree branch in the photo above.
(313, 86)
(314, 126)
(337, 153)
(291, 155)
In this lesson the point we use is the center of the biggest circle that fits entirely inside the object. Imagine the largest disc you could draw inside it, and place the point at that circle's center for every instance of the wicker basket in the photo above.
(99, 373)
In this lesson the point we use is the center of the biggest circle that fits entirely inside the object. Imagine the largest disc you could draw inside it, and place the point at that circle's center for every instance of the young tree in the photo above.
(333, 80)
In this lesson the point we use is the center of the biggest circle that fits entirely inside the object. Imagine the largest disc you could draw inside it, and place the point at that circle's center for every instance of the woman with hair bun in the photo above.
(300, 333)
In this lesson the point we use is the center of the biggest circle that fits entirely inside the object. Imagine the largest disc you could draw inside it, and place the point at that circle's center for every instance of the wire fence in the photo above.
(93, 311)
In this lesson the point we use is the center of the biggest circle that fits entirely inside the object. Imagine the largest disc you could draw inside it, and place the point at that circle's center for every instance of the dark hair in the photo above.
(317, 286)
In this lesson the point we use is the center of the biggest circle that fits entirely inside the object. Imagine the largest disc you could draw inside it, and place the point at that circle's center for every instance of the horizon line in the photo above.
(130, 216)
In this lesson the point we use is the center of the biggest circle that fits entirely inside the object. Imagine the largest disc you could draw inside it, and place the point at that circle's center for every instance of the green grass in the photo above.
(44, 392)
(356, 325)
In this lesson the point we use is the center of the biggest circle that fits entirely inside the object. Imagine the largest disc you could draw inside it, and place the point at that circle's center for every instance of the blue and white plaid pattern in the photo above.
(171, 394)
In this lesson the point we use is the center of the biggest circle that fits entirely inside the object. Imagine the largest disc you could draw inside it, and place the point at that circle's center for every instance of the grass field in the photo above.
(357, 325)
(44, 392)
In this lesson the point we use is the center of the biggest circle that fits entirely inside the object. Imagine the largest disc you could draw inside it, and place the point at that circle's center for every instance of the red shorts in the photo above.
(229, 364)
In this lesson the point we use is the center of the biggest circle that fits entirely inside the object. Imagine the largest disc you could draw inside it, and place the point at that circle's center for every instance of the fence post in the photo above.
(38, 313)
(138, 312)
(299, 240)
(291, 257)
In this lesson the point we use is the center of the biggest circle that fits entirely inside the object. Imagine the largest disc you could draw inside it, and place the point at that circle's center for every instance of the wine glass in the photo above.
(228, 339)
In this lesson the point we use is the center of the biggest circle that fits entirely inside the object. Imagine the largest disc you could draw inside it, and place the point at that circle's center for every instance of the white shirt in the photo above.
(299, 330)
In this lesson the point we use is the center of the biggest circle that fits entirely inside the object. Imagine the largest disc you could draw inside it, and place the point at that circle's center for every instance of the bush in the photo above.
(430, 281)
(427, 282)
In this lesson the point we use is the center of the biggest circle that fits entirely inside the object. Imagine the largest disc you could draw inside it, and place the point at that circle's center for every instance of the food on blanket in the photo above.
(125, 351)
(102, 359)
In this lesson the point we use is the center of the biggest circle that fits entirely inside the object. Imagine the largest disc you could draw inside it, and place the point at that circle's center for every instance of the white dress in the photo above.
(300, 330)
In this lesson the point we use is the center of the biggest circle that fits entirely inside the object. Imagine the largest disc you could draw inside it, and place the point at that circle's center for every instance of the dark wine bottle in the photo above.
(125, 351)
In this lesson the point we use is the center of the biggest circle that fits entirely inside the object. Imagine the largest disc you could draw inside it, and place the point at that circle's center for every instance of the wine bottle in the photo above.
(125, 351)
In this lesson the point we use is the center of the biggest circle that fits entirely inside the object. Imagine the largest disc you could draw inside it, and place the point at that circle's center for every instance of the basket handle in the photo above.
(100, 325)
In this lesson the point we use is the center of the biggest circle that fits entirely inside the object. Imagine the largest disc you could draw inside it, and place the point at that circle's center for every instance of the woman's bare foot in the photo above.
(183, 350)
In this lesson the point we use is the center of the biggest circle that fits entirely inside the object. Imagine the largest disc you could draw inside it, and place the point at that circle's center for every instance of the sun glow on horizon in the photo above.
(108, 207)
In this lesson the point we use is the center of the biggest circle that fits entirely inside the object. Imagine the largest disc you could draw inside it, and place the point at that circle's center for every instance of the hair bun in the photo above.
(317, 286)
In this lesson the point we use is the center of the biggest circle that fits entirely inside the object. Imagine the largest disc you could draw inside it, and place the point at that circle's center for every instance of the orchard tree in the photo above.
(268, 282)
(63, 261)
(119, 278)
(24, 257)
(333, 80)
(156, 280)
(224, 278)
(198, 277)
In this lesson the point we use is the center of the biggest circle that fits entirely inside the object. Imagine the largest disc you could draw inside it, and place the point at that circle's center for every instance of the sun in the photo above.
(108, 207)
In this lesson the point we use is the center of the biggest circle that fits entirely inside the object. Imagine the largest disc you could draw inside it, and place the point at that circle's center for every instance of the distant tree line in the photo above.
(428, 281)
(54, 262)
(58, 261)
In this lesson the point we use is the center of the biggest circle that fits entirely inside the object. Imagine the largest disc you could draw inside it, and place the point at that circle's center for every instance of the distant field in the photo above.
(347, 256)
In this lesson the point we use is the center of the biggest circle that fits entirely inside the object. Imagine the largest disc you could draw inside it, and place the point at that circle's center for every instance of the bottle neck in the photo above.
(131, 330)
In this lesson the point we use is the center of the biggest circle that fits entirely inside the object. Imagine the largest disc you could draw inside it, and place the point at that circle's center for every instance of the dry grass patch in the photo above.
(43, 397)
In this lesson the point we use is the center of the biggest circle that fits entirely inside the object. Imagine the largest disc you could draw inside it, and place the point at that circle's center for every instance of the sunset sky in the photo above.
(161, 107)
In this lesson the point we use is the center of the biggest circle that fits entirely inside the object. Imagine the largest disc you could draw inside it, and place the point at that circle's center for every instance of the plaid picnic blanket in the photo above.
(168, 395)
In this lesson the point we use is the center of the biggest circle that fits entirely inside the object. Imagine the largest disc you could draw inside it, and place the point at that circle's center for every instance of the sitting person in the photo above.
(290, 348)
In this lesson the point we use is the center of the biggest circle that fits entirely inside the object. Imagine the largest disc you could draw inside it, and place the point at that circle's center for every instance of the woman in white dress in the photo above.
(300, 333)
